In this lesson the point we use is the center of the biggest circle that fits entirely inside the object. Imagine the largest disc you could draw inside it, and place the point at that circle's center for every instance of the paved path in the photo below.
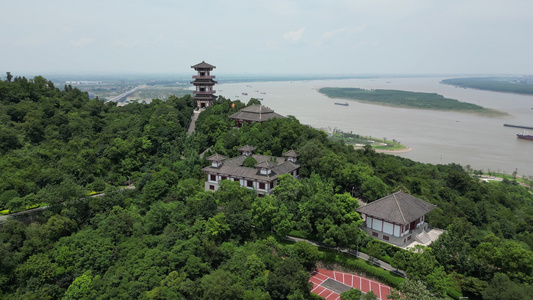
(192, 125)
(330, 284)
(22, 213)
(377, 262)
(39, 209)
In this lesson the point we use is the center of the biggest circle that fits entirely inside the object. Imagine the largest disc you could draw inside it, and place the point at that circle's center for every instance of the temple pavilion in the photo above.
(397, 219)
(262, 177)
(203, 83)
(256, 113)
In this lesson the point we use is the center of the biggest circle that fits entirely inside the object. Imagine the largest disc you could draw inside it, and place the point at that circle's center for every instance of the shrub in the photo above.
(362, 266)
(249, 162)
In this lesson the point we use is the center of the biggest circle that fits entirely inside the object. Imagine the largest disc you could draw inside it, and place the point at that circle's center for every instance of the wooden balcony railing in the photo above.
(203, 92)
(204, 77)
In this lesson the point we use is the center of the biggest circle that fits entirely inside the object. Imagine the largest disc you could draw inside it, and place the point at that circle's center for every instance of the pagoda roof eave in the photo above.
(203, 65)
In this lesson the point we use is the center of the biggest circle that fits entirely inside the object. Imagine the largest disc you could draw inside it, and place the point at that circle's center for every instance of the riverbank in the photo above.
(516, 85)
(358, 141)
(405, 150)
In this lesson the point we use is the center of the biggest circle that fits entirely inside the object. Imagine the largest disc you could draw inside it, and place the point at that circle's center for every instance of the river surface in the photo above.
(437, 137)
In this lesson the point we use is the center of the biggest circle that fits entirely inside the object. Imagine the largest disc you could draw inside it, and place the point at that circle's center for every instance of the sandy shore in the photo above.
(408, 149)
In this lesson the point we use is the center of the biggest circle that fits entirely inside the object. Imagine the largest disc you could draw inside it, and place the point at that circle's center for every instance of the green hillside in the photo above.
(170, 239)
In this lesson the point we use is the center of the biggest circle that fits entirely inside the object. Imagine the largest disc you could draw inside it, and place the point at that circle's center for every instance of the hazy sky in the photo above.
(267, 37)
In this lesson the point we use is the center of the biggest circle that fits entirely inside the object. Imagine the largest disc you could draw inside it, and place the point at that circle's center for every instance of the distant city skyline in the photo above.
(275, 37)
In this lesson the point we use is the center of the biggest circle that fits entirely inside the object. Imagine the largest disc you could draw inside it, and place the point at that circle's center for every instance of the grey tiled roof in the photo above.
(258, 109)
(216, 157)
(204, 82)
(233, 167)
(203, 65)
(266, 164)
(398, 208)
(290, 153)
(247, 148)
(255, 113)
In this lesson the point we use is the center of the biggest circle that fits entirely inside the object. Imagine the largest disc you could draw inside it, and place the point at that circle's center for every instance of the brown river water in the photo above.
(437, 137)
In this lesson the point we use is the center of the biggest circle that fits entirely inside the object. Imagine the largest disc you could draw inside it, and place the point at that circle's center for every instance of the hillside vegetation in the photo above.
(170, 239)
(406, 99)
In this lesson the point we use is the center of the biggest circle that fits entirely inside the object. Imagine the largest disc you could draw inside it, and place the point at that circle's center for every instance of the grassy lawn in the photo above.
(359, 140)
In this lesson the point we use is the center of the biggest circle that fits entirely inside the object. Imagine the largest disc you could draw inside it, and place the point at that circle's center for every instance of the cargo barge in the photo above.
(518, 126)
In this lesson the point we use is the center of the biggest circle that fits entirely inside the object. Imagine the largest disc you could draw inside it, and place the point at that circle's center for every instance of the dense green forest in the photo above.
(497, 84)
(405, 99)
(170, 239)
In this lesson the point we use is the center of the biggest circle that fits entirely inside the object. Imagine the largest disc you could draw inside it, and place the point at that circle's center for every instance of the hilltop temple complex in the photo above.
(256, 113)
(262, 177)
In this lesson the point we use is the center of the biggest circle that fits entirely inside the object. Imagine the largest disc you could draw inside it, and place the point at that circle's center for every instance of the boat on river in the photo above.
(525, 136)
(343, 104)
(518, 126)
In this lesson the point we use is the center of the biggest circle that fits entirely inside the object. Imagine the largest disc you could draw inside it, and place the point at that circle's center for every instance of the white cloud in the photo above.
(294, 36)
(129, 43)
(81, 42)
(344, 30)
(364, 44)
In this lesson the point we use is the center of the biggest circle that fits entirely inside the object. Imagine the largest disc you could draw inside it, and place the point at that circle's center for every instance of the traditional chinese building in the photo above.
(398, 219)
(262, 178)
(203, 83)
(256, 113)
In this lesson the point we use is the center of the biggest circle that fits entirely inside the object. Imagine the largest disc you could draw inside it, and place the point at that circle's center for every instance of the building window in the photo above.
(409, 238)
(235, 179)
(213, 177)
(211, 187)
(250, 183)
(374, 234)
(260, 195)
(385, 237)
(223, 178)
(404, 241)
(272, 185)
(262, 185)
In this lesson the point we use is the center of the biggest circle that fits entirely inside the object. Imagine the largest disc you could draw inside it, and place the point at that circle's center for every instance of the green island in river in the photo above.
(407, 99)
(516, 85)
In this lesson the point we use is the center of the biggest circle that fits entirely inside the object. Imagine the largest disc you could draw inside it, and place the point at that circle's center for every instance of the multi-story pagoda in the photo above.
(203, 82)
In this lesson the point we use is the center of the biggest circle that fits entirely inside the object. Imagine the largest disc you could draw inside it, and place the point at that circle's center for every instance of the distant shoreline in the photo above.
(512, 85)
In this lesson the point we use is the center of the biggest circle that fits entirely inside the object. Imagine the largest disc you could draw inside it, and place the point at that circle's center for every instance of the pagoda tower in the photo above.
(204, 93)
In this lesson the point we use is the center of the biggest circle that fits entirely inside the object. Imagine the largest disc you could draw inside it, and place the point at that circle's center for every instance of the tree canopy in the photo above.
(168, 238)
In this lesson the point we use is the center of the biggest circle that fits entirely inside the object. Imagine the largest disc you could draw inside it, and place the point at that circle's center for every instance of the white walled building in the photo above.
(398, 218)
(262, 178)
